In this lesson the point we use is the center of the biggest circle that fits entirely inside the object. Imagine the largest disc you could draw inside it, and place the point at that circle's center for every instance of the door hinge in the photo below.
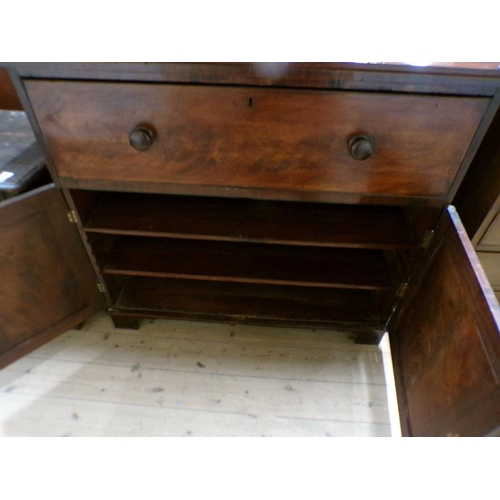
(426, 241)
(100, 287)
(72, 217)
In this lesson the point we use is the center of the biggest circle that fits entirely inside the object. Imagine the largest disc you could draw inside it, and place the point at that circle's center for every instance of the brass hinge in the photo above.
(402, 290)
(100, 287)
(72, 217)
(427, 239)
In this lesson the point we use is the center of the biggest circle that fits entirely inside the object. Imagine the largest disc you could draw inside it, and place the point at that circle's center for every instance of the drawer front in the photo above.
(256, 137)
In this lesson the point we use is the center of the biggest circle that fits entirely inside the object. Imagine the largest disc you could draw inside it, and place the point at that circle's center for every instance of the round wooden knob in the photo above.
(361, 147)
(141, 138)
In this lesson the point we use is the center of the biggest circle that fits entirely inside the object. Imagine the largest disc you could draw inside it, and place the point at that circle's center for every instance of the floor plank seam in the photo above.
(195, 410)
(349, 348)
(222, 379)
(199, 372)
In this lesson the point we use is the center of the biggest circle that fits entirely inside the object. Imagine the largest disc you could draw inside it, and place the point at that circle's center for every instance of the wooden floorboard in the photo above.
(175, 378)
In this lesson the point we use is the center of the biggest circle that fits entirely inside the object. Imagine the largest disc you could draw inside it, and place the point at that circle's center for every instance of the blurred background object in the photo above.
(8, 94)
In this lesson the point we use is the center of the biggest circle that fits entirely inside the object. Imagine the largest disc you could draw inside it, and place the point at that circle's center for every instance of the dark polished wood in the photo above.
(383, 77)
(447, 359)
(247, 303)
(287, 139)
(47, 283)
(249, 262)
(253, 193)
(245, 133)
(243, 220)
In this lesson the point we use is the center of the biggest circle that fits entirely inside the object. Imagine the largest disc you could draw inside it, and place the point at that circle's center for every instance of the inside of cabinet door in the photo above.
(48, 285)
(445, 342)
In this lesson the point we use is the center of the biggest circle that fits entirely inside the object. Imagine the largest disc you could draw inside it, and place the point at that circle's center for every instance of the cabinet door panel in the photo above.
(445, 342)
(47, 285)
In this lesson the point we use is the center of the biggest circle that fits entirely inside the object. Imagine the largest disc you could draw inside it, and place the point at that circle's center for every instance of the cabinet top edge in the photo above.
(459, 78)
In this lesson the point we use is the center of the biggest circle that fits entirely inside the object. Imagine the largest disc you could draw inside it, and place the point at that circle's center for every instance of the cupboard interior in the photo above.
(258, 261)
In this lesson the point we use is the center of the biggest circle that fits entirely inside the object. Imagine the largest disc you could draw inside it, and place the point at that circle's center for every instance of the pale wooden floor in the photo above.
(175, 378)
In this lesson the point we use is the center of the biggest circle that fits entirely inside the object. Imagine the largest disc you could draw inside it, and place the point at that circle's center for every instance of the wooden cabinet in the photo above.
(318, 198)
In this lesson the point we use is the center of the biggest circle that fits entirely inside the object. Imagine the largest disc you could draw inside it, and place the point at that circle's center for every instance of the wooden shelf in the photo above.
(249, 303)
(248, 263)
(229, 219)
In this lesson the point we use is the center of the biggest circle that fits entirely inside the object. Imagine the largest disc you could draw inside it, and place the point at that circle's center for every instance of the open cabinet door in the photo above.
(445, 342)
(47, 284)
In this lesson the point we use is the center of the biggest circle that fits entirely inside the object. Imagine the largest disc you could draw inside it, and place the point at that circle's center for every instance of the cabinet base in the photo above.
(131, 320)
(125, 322)
(368, 338)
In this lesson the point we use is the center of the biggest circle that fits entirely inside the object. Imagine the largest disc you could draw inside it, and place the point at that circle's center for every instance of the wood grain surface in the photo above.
(256, 138)
(246, 303)
(446, 346)
(249, 262)
(46, 280)
(243, 220)
(385, 77)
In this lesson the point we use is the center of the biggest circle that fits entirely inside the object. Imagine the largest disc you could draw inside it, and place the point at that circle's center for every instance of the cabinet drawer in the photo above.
(256, 137)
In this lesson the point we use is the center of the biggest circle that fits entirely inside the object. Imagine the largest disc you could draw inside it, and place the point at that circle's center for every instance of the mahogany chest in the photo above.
(322, 197)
